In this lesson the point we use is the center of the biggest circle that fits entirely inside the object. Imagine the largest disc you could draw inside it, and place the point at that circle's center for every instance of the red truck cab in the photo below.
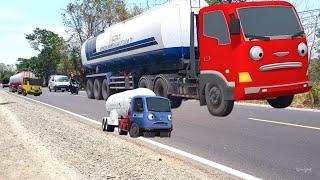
(251, 50)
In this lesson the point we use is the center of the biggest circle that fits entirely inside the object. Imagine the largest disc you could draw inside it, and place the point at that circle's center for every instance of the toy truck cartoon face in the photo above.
(258, 49)
(151, 113)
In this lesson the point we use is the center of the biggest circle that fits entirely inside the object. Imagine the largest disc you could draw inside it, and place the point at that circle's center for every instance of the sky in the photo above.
(21, 17)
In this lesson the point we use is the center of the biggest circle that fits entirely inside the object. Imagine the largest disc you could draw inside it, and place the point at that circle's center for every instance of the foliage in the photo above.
(52, 49)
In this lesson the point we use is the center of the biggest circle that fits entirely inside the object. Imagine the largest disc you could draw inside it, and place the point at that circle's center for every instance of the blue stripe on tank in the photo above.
(124, 48)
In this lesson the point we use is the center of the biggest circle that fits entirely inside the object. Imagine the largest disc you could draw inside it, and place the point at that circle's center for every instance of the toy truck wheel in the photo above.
(55, 89)
(134, 130)
(24, 93)
(89, 89)
(106, 127)
(216, 103)
(105, 89)
(104, 124)
(97, 89)
(49, 89)
(281, 102)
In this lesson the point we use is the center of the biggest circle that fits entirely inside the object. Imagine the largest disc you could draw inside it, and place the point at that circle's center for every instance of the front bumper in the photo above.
(264, 92)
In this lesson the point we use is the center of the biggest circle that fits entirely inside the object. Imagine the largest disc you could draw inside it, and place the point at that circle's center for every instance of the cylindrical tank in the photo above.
(120, 102)
(153, 41)
(18, 78)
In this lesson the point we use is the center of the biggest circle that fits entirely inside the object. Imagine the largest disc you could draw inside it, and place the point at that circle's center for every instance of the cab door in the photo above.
(215, 43)
(138, 112)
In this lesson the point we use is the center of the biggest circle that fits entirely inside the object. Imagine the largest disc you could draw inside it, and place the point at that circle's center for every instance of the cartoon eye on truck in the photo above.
(216, 54)
(139, 112)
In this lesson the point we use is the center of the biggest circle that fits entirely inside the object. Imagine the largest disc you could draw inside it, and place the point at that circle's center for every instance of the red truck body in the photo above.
(280, 72)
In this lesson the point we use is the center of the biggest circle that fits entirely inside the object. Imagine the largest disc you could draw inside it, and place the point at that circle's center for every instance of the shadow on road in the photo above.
(5, 103)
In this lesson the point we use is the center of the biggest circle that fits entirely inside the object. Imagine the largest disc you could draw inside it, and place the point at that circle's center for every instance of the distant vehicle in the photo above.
(139, 112)
(25, 83)
(5, 85)
(74, 86)
(216, 54)
(58, 82)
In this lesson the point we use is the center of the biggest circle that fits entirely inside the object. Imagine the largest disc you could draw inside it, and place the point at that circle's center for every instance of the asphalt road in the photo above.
(264, 142)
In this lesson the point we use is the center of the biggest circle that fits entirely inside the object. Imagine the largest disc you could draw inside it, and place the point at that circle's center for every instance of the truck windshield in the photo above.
(158, 104)
(62, 79)
(35, 82)
(270, 21)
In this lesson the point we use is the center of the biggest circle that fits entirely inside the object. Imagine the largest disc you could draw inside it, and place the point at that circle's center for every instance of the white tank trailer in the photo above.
(18, 78)
(117, 105)
(152, 42)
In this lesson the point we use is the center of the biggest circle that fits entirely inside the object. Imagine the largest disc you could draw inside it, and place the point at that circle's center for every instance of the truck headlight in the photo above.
(151, 117)
(170, 117)
(256, 53)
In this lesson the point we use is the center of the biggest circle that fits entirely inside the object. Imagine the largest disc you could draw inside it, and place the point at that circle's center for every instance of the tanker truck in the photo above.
(139, 112)
(215, 54)
(25, 83)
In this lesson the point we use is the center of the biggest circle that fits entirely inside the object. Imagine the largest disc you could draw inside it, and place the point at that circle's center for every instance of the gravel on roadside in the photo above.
(37, 142)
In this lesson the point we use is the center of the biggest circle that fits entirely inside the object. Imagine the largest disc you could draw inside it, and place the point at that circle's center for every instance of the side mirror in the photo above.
(234, 26)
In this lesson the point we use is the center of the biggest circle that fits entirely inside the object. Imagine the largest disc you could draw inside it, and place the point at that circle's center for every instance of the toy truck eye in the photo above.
(302, 49)
(169, 117)
(150, 116)
(256, 53)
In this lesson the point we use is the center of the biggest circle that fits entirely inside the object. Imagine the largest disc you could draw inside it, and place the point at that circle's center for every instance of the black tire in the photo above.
(161, 88)
(89, 89)
(134, 130)
(145, 82)
(55, 89)
(216, 103)
(77, 92)
(24, 93)
(105, 89)
(97, 89)
(49, 89)
(103, 124)
(281, 102)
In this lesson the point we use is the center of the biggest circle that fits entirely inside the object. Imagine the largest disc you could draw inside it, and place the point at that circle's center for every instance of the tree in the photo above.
(52, 49)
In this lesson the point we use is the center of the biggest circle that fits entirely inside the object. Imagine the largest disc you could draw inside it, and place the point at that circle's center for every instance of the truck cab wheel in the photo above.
(216, 103)
(55, 89)
(105, 89)
(89, 88)
(134, 130)
(281, 102)
(97, 89)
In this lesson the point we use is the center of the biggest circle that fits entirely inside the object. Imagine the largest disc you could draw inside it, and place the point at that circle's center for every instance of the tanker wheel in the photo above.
(216, 103)
(134, 130)
(97, 89)
(145, 83)
(105, 89)
(89, 88)
(104, 124)
(281, 102)
(161, 88)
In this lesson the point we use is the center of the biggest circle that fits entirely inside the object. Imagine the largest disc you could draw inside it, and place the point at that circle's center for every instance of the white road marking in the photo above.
(286, 124)
(166, 147)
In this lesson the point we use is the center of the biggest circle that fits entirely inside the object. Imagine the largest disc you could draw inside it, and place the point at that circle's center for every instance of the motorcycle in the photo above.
(74, 87)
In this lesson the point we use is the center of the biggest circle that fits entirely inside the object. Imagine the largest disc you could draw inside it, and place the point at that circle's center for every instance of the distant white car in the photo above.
(58, 82)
